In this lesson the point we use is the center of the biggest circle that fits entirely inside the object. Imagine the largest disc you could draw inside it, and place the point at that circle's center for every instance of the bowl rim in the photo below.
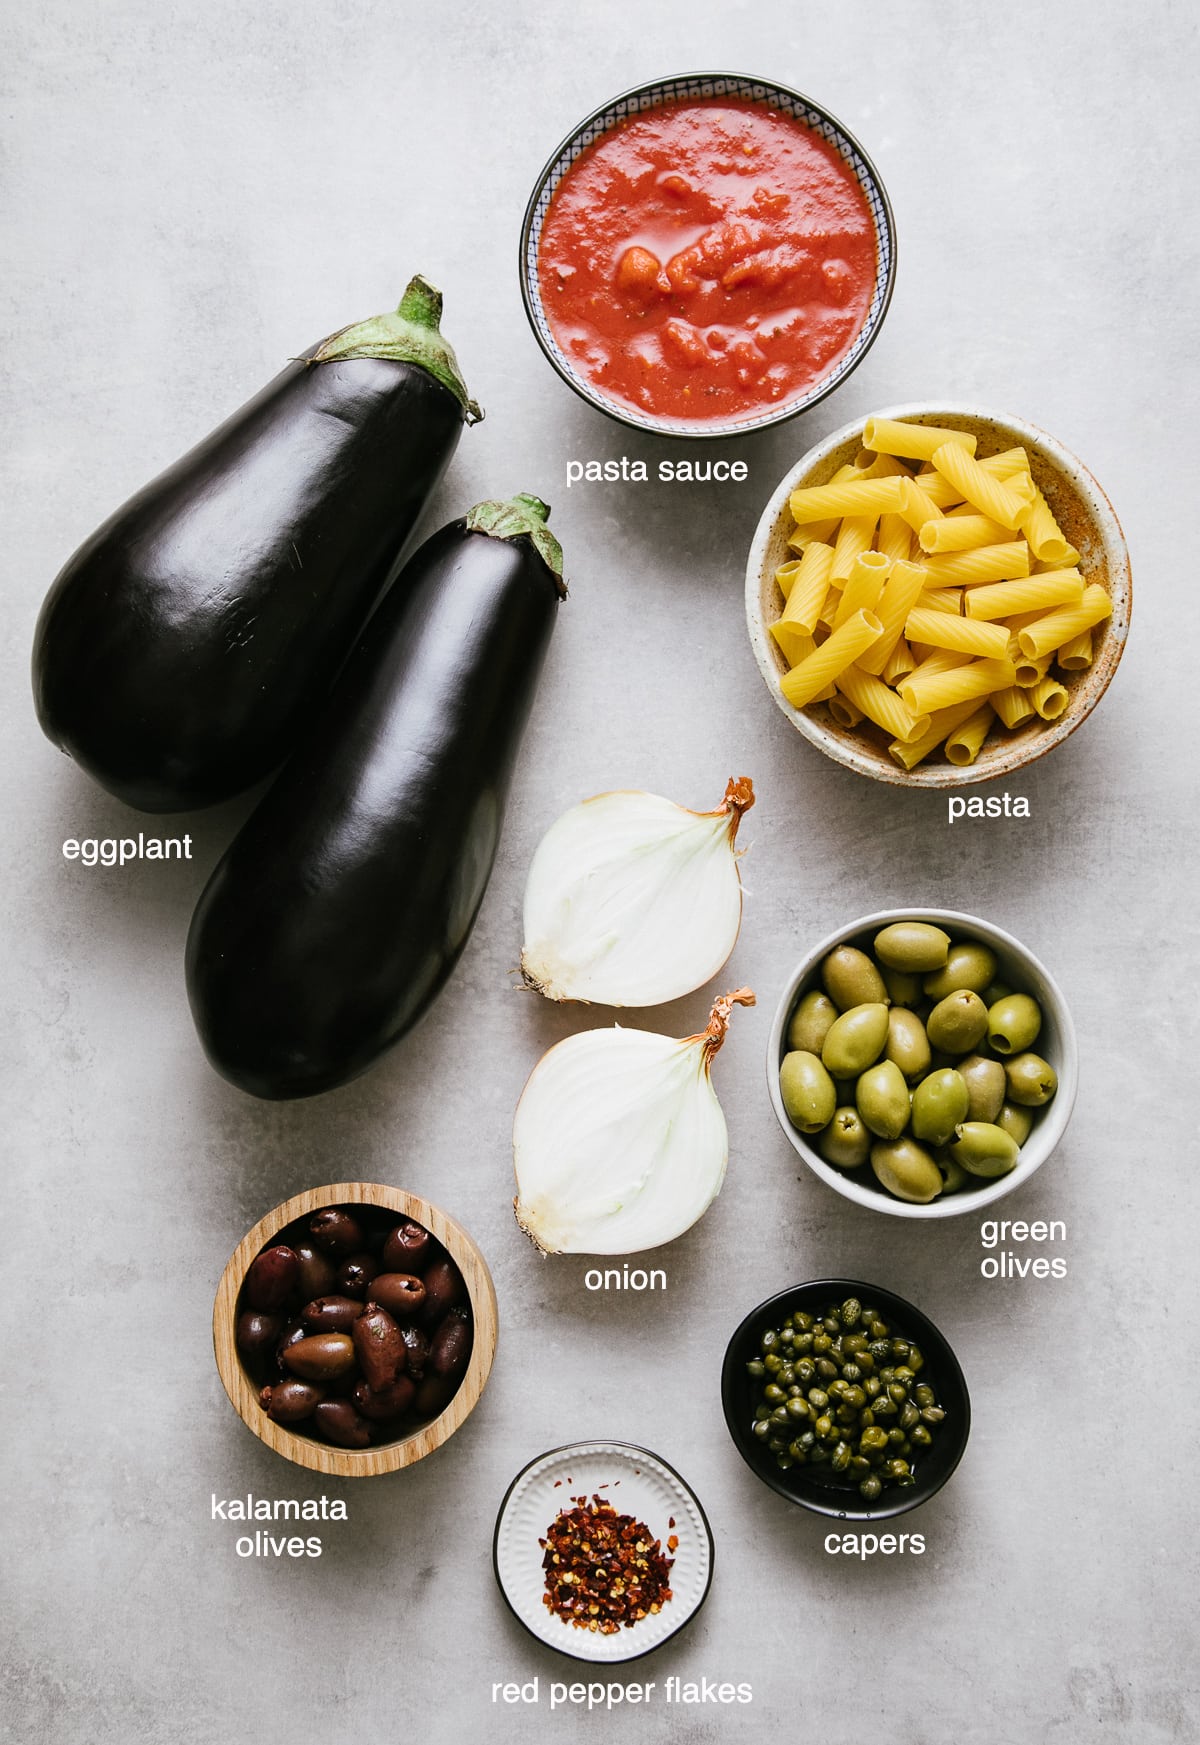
(585, 1445)
(900, 1502)
(324, 1457)
(647, 423)
(1051, 1127)
(937, 775)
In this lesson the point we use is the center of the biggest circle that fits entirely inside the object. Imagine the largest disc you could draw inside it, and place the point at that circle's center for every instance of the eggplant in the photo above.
(342, 906)
(183, 647)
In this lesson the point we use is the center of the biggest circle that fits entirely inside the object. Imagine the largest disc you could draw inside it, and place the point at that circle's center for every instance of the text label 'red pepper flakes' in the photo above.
(603, 1570)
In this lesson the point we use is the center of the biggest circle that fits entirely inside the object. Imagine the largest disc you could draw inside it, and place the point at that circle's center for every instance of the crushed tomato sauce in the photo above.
(603, 1570)
(707, 259)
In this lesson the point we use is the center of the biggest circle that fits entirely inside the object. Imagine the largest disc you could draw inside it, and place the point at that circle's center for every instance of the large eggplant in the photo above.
(184, 645)
(342, 906)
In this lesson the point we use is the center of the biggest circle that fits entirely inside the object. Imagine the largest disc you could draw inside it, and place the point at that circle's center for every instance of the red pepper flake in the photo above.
(603, 1570)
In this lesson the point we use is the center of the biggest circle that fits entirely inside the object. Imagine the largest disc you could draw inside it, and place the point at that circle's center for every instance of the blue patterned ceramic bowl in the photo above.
(695, 85)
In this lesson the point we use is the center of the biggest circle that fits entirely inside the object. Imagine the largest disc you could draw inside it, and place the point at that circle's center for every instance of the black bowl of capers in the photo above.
(845, 1399)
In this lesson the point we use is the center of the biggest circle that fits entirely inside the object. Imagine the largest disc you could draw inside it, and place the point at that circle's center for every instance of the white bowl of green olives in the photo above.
(922, 1062)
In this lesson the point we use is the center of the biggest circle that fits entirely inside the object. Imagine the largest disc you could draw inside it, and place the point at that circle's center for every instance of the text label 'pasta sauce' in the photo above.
(707, 260)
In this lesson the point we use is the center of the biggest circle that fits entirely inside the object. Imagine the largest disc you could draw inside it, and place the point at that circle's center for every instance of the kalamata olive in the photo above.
(331, 1314)
(409, 1248)
(257, 1335)
(400, 1293)
(450, 1347)
(390, 1402)
(417, 1347)
(336, 1232)
(288, 1402)
(320, 1356)
(355, 1274)
(270, 1279)
(379, 1347)
(433, 1394)
(316, 1273)
(339, 1421)
(443, 1288)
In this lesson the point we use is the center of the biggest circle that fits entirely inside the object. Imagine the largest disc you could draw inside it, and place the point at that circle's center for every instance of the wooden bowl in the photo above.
(1086, 517)
(388, 1456)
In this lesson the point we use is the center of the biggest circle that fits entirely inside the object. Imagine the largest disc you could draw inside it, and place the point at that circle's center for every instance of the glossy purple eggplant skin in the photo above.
(181, 650)
(342, 906)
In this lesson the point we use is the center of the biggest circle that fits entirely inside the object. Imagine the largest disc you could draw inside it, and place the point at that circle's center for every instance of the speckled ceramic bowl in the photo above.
(1086, 517)
(1056, 1043)
(649, 96)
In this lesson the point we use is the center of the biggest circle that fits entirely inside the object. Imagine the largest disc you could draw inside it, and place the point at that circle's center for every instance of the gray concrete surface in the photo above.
(194, 191)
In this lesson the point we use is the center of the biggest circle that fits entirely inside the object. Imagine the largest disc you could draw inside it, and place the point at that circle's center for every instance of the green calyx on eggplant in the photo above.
(184, 646)
(342, 906)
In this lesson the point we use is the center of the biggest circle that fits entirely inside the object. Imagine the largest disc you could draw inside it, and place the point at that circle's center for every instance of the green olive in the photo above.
(1014, 1024)
(907, 1043)
(845, 1143)
(985, 1083)
(983, 1148)
(939, 1103)
(807, 1091)
(1032, 1081)
(958, 1023)
(851, 979)
(902, 985)
(882, 1099)
(969, 964)
(810, 1021)
(954, 1176)
(1016, 1121)
(856, 1040)
(906, 1169)
(912, 945)
(997, 991)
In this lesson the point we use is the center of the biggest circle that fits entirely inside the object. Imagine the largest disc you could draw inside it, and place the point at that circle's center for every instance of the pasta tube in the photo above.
(857, 496)
(1030, 672)
(979, 678)
(915, 441)
(970, 636)
(809, 586)
(956, 532)
(863, 586)
(895, 538)
(916, 506)
(1046, 539)
(963, 745)
(881, 705)
(986, 563)
(803, 537)
(1013, 706)
(1075, 655)
(1003, 599)
(1050, 632)
(1049, 698)
(909, 753)
(995, 498)
(802, 683)
(941, 599)
(900, 593)
(899, 663)
(857, 532)
(844, 712)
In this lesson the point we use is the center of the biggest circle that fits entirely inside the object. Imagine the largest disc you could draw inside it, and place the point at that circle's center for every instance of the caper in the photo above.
(773, 1392)
(907, 1043)
(1016, 1121)
(984, 1149)
(913, 945)
(870, 1488)
(939, 1103)
(809, 1098)
(1014, 1024)
(921, 1436)
(1032, 1081)
(810, 1022)
(958, 1023)
(756, 1367)
(851, 979)
(856, 1040)
(984, 1080)
(846, 1142)
(882, 1098)
(905, 1169)
(969, 964)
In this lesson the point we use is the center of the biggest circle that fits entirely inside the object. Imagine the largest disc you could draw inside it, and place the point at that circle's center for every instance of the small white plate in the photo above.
(636, 1483)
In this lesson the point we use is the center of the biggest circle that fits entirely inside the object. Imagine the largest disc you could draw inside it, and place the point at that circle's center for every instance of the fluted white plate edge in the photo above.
(636, 1482)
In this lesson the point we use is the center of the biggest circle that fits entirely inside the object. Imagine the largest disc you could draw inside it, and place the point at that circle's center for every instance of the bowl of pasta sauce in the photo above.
(707, 255)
